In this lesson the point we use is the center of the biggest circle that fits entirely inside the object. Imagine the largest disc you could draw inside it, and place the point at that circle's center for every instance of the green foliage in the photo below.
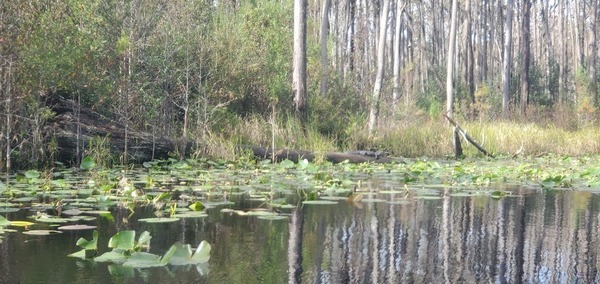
(127, 252)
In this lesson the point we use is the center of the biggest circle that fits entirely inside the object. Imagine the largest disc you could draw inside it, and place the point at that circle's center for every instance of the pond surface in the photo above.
(391, 236)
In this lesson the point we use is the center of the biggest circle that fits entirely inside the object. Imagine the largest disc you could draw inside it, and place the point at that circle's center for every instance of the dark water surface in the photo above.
(537, 237)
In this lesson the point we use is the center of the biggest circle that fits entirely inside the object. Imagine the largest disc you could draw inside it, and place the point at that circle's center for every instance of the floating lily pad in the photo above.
(9, 209)
(77, 227)
(183, 254)
(4, 221)
(273, 217)
(143, 259)
(392, 191)
(48, 219)
(96, 212)
(8, 204)
(321, 202)
(159, 220)
(21, 223)
(73, 212)
(112, 256)
(334, 198)
(41, 232)
(191, 214)
(373, 200)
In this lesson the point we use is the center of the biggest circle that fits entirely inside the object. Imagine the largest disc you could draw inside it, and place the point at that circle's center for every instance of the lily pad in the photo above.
(9, 209)
(159, 220)
(41, 232)
(192, 214)
(321, 202)
(3, 221)
(183, 254)
(77, 227)
(21, 223)
(115, 256)
(273, 217)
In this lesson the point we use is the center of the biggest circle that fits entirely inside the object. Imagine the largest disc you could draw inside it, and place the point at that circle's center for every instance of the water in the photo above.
(535, 236)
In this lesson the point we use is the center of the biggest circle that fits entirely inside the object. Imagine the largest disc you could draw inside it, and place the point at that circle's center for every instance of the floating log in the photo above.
(141, 146)
(267, 153)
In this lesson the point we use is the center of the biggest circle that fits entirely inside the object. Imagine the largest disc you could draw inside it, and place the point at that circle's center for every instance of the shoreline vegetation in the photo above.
(219, 73)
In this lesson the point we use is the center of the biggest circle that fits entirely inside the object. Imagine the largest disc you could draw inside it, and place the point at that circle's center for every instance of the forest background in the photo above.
(523, 74)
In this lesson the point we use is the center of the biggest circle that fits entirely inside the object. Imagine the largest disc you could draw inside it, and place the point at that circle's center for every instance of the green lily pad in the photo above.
(21, 223)
(183, 254)
(191, 214)
(3, 221)
(9, 209)
(41, 232)
(142, 260)
(273, 217)
(77, 227)
(115, 256)
(320, 202)
(122, 240)
(72, 212)
(159, 220)
(8, 204)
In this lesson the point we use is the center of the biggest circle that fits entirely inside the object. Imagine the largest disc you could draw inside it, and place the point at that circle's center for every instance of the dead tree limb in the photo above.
(468, 138)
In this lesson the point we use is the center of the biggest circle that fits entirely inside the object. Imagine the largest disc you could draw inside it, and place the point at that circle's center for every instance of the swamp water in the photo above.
(395, 234)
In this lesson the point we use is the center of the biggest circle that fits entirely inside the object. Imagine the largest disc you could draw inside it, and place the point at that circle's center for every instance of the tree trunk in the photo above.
(375, 100)
(594, 53)
(397, 51)
(323, 39)
(525, 54)
(450, 65)
(470, 56)
(507, 59)
(299, 73)
(562, 51)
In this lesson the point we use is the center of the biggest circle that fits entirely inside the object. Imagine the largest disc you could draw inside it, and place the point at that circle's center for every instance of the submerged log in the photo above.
(334, 157)
(141, 146)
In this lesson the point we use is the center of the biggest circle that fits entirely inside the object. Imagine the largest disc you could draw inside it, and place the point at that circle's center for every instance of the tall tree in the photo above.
(450, 65)
(323, 38)
(397, 50)
(299, 72)
(594, 51)
(375, 100)
(525, 53)
(507, 58)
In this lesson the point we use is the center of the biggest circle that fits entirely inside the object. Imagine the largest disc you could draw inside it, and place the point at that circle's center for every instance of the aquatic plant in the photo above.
(128, 252)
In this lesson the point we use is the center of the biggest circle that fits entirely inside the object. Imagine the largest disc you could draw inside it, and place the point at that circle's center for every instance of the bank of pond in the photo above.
(526, 219)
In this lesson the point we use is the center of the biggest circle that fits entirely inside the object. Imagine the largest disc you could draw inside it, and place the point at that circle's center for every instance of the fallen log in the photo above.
(141, 146)
(266, 153)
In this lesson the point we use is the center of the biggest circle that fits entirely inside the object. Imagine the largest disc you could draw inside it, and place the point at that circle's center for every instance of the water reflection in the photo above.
(538, 237)
(534, 237)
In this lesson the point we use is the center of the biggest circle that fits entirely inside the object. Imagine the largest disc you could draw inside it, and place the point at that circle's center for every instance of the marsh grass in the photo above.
(415, 138)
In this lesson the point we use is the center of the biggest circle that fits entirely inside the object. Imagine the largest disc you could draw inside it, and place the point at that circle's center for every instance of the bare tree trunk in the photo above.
(470, 57)
(299, 73)
(397, 51)
(594, 52)
(507, 61)
(8, 80)
(450, 65)
(375, 101)
(525, 53)
(323, 39)
(562, 51)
